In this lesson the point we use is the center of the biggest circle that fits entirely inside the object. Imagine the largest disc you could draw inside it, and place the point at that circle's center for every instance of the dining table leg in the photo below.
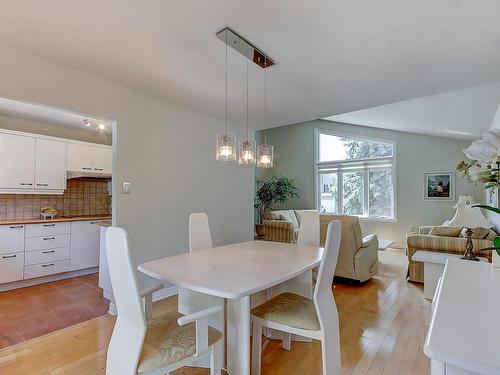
(238, 336)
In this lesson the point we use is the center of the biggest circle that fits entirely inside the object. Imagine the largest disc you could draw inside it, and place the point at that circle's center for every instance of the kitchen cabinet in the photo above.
(11, 238)
(91, 159)
(84, 244)
(50, 164)
(11, 267)
(17, 162)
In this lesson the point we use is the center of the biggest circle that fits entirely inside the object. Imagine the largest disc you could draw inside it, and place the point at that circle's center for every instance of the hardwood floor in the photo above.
(383, 326)
(37, 310)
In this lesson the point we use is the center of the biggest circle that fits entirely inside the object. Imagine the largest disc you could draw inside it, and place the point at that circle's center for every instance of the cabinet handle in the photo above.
(42, 184)
(48, 265)
(48, 238)
(94, 222)
(26, 184)
(49, 225)
(16, 227)
(98, 169)
(9, 256)
(86, 169)
(48, 252)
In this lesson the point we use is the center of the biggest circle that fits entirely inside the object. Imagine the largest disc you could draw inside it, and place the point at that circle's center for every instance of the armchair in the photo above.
(358, 257)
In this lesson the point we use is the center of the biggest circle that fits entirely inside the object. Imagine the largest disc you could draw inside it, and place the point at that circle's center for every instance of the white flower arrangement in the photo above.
(484, 166)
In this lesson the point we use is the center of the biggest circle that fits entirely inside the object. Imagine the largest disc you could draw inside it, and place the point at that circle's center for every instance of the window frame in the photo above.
(336, 166)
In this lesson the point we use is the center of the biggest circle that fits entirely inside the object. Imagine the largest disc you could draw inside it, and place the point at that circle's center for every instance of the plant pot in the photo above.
(260, 230)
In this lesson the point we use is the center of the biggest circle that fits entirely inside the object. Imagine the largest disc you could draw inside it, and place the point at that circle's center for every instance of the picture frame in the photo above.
(439, 186)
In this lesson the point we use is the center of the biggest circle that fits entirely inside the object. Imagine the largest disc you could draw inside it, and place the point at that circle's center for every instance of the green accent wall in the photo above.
(415, 154)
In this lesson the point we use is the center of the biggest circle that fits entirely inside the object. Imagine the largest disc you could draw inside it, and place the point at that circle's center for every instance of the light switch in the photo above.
(126, 187)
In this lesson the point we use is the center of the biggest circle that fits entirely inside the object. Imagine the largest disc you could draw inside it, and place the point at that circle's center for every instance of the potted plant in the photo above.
(270, 192)
(496, 242)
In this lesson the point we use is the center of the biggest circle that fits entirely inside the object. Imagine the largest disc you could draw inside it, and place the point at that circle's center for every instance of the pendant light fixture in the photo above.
(247, 146)
(226, 144)
(265, 151)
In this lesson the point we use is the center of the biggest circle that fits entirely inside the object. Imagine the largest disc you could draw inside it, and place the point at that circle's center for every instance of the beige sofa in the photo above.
(441, 244)
(358, 257)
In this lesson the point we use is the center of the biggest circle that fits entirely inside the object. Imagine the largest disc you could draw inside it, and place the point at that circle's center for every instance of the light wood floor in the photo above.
(383, 326)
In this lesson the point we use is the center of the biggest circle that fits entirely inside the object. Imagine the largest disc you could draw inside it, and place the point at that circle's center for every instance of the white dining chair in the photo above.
(199, 232)
(309, 229)
(296, 314)
(160, 345)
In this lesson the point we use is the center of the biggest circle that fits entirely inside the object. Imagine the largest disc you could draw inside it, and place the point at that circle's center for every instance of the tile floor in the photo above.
(35, 311)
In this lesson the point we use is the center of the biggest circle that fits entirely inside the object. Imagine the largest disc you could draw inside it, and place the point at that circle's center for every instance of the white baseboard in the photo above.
(164, 293)
(47, 279)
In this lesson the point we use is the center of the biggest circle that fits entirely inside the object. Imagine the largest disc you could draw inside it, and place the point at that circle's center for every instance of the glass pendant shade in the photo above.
(265, 156)
(247, 151)
(226, 147)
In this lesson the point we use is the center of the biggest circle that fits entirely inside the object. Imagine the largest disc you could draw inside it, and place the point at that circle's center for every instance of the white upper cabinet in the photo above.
(86, 158)
(50, 165)
(17, 162)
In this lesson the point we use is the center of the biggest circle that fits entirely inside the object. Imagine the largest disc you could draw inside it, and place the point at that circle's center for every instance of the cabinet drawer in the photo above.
(47, 255)
(47, 242)
(11, 238)
(11, 267)
(44, 269)
(47, 229)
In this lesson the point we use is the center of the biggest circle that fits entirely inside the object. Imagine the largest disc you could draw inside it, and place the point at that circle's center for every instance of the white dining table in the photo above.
(235, 272)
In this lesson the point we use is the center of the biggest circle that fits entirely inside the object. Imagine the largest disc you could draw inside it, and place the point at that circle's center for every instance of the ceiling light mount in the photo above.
(243, 46)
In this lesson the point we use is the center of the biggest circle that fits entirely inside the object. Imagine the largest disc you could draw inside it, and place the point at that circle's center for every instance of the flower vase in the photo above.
(495, 258)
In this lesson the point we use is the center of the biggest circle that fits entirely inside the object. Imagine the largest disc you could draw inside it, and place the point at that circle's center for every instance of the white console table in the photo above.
(464, 334)
(433, 268)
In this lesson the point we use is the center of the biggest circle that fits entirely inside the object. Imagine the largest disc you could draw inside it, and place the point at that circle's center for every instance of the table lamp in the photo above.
(468, 217)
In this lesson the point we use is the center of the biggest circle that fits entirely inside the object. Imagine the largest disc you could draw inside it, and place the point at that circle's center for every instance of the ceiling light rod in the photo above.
(243, 46)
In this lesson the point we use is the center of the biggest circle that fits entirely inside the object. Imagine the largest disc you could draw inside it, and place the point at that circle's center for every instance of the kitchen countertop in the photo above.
(57, 219)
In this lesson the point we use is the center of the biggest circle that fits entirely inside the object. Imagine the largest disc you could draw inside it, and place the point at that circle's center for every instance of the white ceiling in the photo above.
(36, 112)
(334, 56)
(463, 114)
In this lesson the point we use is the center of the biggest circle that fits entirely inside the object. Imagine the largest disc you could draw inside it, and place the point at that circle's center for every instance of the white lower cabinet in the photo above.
(36, 250)
(11, 267)
(46, 256)
(45, 269)
(84, 244)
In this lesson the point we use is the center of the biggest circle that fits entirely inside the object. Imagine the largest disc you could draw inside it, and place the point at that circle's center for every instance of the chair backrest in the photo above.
(323, 296)
(130, 328)
(309, 229)
(199, 232)
(351, 230)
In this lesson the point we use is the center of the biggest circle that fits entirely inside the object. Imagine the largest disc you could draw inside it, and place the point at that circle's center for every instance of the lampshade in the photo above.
(465, 200)
(226, 148)
(469, 217)
(265, 156)
(247, 152)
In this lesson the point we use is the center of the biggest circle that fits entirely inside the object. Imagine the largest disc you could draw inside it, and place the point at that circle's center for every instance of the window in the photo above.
(355, 176)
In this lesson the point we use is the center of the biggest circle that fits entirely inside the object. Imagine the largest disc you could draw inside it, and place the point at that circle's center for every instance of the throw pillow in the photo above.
(272, 216)
(445, 231)
(477, 233)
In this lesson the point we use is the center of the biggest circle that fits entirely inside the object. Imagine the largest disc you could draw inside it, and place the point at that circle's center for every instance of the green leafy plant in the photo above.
(272, 191)
(496, 241)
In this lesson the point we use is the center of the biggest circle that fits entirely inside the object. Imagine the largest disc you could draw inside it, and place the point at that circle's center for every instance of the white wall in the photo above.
(165, 150)
(415, 154)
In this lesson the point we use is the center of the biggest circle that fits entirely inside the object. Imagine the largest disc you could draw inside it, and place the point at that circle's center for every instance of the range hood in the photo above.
(79, 174)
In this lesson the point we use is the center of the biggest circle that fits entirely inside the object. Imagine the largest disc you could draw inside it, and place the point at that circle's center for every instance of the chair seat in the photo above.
(291, 310)
(166, 342)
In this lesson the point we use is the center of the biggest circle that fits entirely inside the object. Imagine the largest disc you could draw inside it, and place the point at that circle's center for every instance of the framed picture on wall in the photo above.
(492, 197)
(439, 186)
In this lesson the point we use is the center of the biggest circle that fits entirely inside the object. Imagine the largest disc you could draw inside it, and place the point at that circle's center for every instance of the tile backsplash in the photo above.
(83, 196)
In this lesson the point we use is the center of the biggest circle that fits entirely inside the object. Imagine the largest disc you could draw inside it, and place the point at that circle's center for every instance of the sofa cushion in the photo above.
(272, 216)
(445, 231)
(477, 233)
(287, 215)
(491, 235)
